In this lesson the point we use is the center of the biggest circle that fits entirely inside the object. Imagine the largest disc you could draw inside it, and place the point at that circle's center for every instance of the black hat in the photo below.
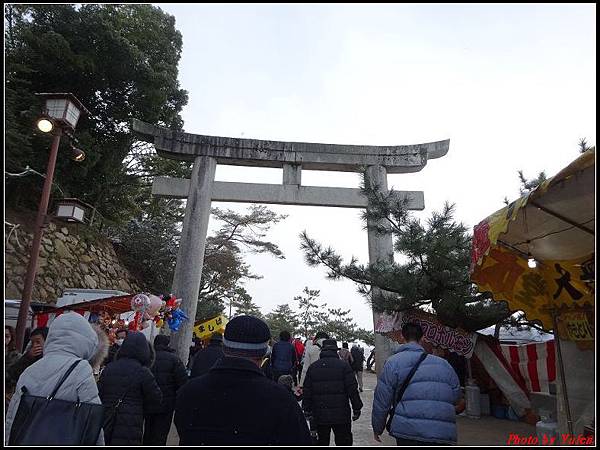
(329, 344)
(246, 336)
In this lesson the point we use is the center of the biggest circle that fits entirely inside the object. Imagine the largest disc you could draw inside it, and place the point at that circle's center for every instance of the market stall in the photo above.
(538, 255)
(138, 312)
(507, 370)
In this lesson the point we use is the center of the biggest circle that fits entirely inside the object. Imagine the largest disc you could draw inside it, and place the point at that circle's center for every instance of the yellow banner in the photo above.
(577, 327)
(549, 286)
(215, 325)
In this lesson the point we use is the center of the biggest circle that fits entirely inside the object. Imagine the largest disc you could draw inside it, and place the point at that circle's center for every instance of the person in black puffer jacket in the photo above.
(207, 357)
(170, 375)
(129, 377)
(234, 403)
(358, 360)
(329, 383)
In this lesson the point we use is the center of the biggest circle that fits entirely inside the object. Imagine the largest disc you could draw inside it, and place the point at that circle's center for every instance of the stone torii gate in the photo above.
(208, 151)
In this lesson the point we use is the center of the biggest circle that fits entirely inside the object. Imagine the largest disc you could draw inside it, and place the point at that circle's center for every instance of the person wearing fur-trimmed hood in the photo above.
(70, 338)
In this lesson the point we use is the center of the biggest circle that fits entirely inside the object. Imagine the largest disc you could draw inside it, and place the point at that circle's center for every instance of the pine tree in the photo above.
(311, 314)
(435, 271)
(282, 318)
(244, 306)
(340, 326)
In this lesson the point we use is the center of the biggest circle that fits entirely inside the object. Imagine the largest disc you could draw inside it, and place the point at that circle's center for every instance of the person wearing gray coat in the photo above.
(70, 338)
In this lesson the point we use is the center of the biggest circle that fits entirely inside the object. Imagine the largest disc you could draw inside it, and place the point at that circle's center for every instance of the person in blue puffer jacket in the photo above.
(283, 356)
(425, 415)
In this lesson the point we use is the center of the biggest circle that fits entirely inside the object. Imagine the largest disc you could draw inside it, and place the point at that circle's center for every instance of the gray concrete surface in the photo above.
(471, 432)
(312, 156)
(190, 256)
(286, 194)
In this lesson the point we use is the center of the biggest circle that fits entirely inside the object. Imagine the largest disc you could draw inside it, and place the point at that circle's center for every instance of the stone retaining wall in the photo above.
(68, 259)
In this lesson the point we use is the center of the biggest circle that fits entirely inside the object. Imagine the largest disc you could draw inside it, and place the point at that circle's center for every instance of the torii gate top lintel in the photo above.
(312, 156)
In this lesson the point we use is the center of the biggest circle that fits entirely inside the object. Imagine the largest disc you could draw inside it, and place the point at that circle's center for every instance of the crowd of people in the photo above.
(239, 389)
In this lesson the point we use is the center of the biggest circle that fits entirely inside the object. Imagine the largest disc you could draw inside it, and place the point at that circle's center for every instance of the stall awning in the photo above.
(112, 305)
(555, 225)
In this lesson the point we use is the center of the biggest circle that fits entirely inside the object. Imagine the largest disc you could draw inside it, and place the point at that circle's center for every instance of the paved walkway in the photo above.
(485, 431)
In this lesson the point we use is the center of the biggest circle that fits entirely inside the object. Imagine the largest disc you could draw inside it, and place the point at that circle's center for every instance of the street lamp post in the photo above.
(61, 115)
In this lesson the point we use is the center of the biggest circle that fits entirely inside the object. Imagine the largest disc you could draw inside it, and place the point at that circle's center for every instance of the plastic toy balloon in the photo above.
(176, 319)
(140, 302)
(155, 305)
(170, 303)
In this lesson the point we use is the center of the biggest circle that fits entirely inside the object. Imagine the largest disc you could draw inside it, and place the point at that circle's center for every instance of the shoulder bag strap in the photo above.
(120, 400)
(400, 392)
(62, 380)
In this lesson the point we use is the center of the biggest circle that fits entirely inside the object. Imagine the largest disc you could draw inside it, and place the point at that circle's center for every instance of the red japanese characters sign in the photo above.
(454, 339)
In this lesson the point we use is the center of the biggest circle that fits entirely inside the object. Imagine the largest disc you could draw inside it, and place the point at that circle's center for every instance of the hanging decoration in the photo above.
(170, 312)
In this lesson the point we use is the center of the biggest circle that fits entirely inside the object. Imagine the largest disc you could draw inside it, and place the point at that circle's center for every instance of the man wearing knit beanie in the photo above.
(234, 403)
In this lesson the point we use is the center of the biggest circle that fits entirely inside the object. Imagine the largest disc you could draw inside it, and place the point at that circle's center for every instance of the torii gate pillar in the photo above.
(190, 258)
(380, 249)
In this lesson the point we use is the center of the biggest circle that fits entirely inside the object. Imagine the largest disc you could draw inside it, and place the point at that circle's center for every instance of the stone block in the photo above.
(85, 258)
(12, 291)
(61, 250)
(91, 282)
(124, 286)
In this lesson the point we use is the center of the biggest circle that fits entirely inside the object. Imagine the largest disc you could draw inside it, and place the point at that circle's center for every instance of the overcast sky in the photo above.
(512, 86)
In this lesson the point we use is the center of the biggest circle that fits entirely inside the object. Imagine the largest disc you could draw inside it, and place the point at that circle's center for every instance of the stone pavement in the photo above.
(484, 431)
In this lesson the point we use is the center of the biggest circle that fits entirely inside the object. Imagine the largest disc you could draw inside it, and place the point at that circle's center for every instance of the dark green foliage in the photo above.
(121, 62)
(150, 245)
(209, 307)
(339, 325)
(283, 318)
(243, 304)
(434, 271)
(311, 315)
(368, 337)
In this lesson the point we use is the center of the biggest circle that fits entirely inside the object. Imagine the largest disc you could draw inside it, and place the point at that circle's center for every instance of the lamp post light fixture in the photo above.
(78, 154)
(71, 210)
(61, 114)
(62, 109)
(45, 125)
